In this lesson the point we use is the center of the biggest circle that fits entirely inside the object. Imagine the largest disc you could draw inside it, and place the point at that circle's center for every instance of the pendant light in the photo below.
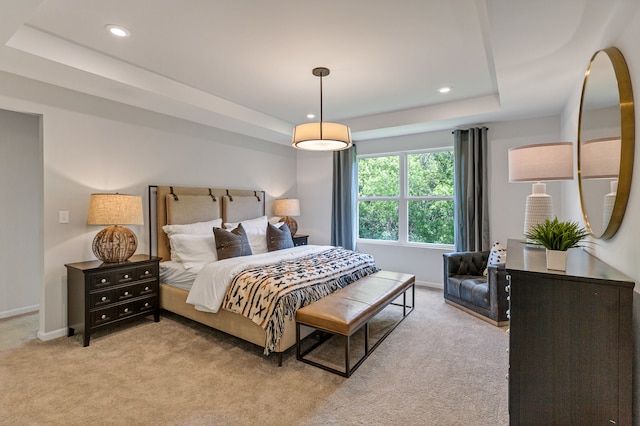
(322, 136)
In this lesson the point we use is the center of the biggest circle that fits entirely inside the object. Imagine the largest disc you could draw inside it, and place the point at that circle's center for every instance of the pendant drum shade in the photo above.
(322, 136)
(115, 243)
(334, 137)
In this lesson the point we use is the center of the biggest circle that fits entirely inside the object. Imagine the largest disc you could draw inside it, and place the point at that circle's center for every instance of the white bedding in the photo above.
(175, 274)
(213, 280)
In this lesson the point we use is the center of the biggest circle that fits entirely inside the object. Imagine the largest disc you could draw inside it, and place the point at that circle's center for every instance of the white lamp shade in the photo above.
(115, 209)
(542, 162)
(335, 137)
(600, 158)
(286, 207)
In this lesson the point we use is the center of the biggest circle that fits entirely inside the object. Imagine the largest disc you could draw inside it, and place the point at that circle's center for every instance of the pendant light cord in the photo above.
(321, 107)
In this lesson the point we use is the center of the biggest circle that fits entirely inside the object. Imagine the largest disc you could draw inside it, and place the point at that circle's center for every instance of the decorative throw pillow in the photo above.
(231, 243)
(278, 238)
(256, 230)
(497, 255)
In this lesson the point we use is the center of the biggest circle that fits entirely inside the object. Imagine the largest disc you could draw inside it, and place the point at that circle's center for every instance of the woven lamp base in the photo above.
(115, 244)
(291, 223)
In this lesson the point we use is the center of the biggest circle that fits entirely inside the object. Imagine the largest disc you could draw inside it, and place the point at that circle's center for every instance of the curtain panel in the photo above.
(345, 190)
(471, 190)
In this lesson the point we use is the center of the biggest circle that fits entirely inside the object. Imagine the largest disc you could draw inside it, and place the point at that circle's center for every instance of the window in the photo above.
(406, 197)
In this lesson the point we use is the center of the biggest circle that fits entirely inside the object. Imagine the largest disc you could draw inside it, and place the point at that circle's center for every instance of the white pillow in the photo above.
(256, 230)
(194, 250)
(193, 228)
(189, 228)
(497, 255)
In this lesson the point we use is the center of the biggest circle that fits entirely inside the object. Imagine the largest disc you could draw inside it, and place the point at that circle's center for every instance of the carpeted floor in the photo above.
(439, 366)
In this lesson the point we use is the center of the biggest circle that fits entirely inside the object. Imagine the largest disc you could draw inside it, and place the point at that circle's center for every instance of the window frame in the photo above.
(403, 200)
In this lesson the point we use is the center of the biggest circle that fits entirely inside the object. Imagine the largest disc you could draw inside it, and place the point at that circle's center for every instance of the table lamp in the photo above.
(600, 159)
(286, 208)
(537, 163)
(115, 243)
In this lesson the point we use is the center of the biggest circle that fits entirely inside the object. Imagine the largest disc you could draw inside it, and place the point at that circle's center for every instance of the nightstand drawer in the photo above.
(125, 293)
(146, 304)
(125, 276)
(102, 316)
(145, 289)
(101, 298)
(100, 280)
(146, 272)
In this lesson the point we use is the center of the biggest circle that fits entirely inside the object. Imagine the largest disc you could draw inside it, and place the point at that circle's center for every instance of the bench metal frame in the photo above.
(324, 335)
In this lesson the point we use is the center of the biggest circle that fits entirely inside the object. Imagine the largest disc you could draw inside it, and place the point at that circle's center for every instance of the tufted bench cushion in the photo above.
(347, 310)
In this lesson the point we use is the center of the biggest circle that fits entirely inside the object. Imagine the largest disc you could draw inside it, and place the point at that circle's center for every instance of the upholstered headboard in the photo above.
(180, 205)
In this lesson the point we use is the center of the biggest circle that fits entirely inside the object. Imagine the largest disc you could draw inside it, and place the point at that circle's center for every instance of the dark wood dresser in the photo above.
(570, 340)
(101, 294)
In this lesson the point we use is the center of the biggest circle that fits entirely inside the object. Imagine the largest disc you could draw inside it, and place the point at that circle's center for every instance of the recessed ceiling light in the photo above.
(118, 31)
(445, 89)
(311, 116)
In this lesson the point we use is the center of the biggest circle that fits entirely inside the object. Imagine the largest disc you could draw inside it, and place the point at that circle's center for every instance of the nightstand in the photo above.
(101, 294)
(300, 240)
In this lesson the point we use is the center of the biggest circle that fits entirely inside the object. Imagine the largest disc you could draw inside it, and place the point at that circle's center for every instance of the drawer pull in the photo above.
(146, 305)
(146, 272)
(104, 280)
(103, 316)
(104, 298)
(126, 310)
(126, 293)
(146, 288)
(126, 276)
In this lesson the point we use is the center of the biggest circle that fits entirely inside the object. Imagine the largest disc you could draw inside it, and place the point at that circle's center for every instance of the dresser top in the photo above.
(580, 264)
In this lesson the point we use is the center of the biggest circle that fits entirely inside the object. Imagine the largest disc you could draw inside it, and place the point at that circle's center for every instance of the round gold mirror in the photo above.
(606, 139)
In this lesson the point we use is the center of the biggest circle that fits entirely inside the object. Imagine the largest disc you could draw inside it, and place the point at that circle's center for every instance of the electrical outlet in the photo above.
(63, 216)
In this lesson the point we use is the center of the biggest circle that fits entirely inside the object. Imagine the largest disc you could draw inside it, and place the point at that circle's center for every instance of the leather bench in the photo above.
(349, 309)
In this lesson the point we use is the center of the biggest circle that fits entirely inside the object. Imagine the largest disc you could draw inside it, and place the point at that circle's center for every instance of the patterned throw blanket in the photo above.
(269, 294)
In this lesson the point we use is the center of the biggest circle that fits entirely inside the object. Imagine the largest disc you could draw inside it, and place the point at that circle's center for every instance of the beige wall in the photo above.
(92, 145)
(20, 213)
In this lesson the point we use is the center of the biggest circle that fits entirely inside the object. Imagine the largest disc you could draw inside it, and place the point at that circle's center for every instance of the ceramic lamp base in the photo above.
(291, 223)
(115, 244)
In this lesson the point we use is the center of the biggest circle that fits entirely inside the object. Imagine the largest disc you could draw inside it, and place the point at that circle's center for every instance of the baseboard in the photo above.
(20, 311)
(52, 334)
(437, 286)
(477, 315)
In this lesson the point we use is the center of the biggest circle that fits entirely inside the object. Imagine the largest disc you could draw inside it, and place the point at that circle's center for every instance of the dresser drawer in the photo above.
(100, 299)
(145, 289)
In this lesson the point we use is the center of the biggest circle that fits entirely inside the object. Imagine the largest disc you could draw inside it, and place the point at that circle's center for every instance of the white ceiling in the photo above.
(245, 66)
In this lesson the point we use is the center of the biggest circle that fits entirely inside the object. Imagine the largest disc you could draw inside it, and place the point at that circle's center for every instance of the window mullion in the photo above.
(403, 229)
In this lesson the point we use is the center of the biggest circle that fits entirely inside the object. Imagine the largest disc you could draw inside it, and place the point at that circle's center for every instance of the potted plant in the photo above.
(557, 237)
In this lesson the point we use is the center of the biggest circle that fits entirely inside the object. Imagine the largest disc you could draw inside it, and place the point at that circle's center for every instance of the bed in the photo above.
(191, 206)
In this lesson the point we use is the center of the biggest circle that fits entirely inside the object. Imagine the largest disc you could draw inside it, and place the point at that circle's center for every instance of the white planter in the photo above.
(557, 260)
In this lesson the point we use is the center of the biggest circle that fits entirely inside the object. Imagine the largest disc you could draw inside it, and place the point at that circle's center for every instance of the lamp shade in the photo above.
(334, 136)
(541, 162)
(600, 158)
(115, 209)
(286, 207)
